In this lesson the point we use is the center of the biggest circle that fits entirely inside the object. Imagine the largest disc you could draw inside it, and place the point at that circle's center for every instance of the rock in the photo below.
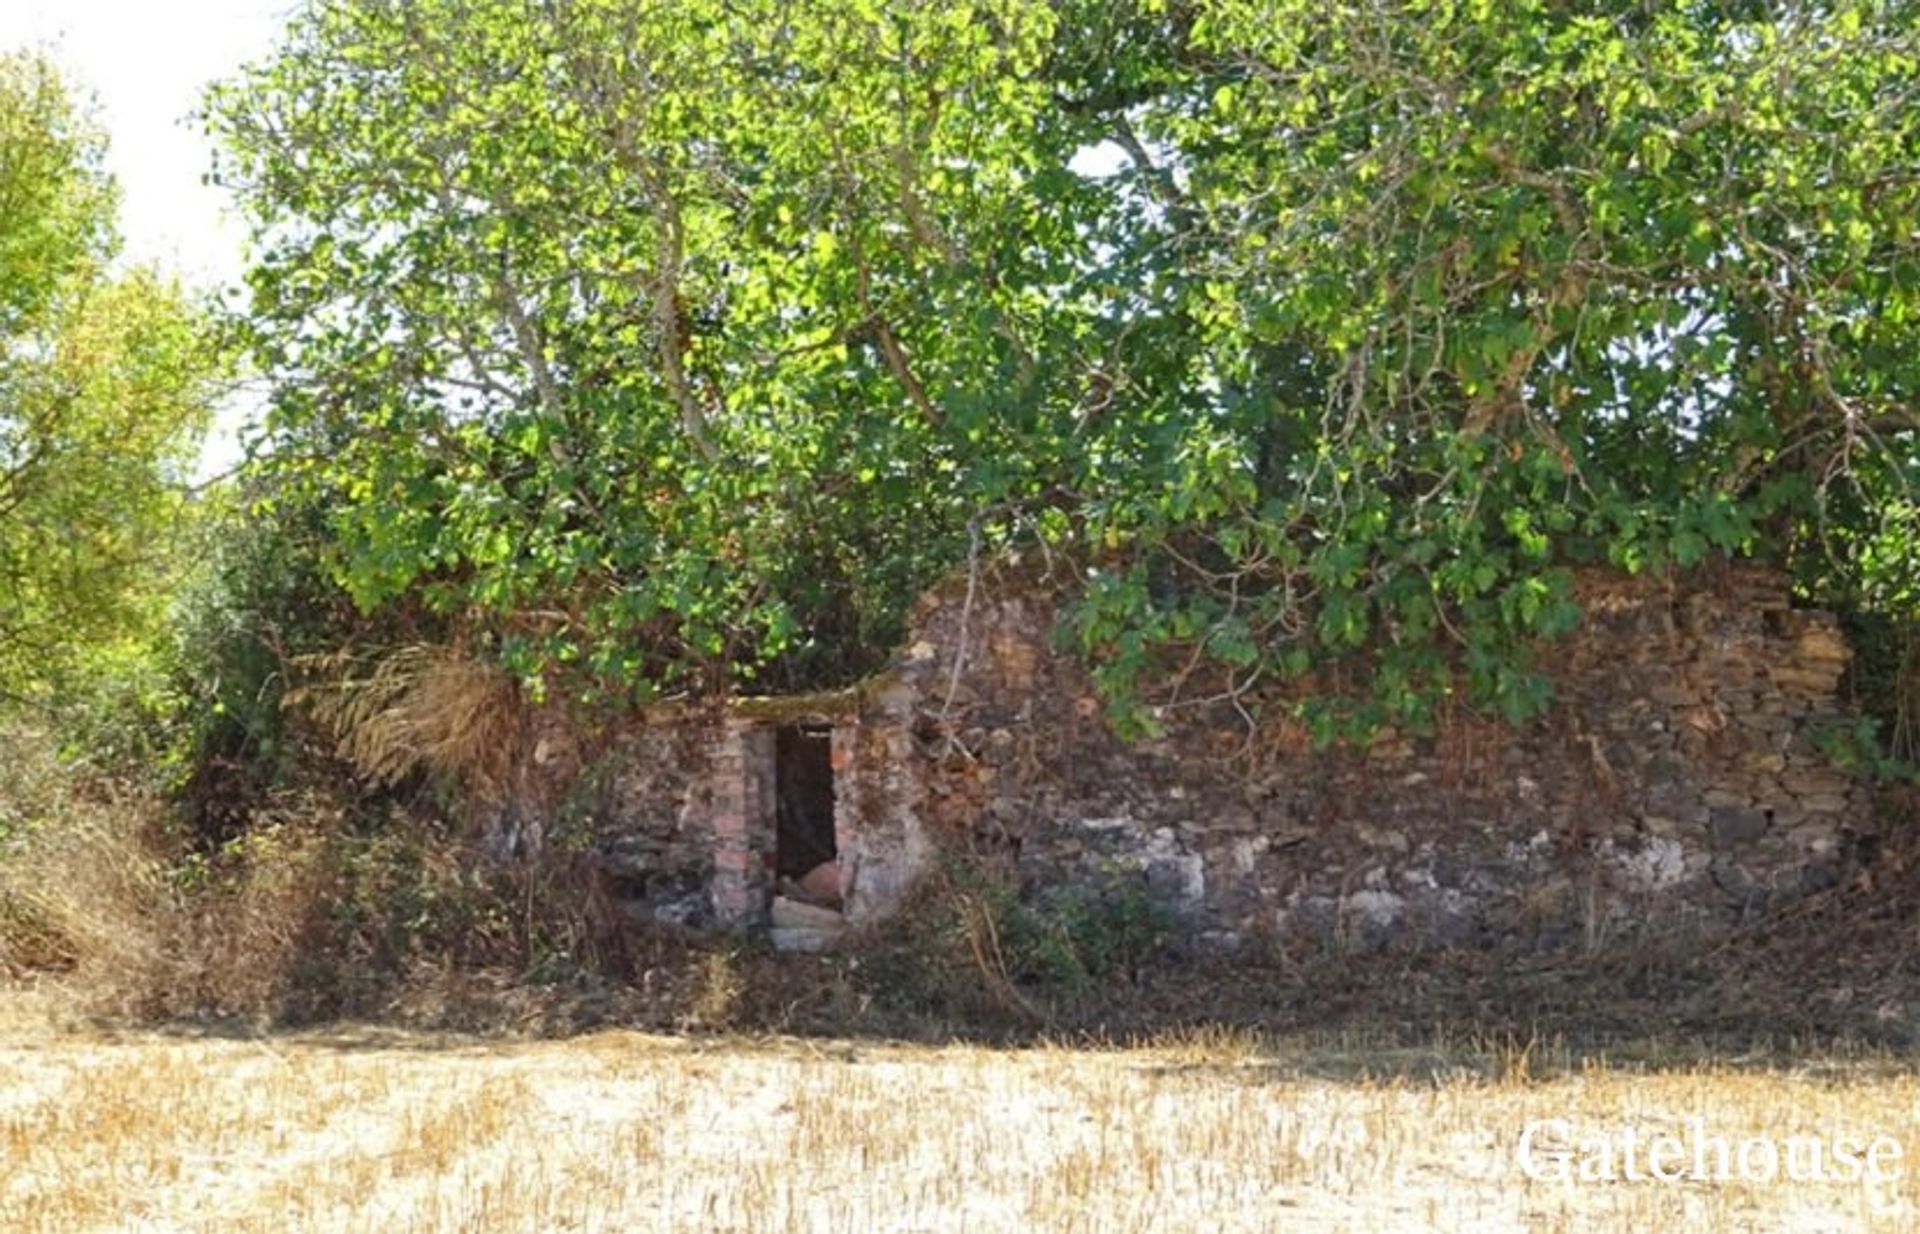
(1658, 864)
(687, 910)
(1815, 774)
(1819, 876)
(1669, 794)
(787, 938)
(1371, 918)
(1819, 837)
(1450, 919)
(1288, 834)
(1179, 879)
(1807, 680)
(824, 885)
(796, 915)
(1822, 643)
(1731, 827)
(1234, 818)
(1246, 853)
(1312, 916)
(1660, 825)
(1734, 881)
(1391, 838)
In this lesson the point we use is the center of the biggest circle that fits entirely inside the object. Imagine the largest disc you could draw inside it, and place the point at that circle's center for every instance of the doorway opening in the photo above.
(804, 838)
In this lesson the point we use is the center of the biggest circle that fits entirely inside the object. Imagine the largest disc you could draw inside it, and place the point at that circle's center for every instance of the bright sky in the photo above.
(145, 63)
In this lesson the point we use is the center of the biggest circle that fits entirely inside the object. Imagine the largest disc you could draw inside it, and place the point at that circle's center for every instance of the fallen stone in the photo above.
(788, 938)
(824, 884)
(797, 915)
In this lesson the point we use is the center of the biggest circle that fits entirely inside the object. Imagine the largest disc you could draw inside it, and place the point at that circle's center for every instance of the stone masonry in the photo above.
(1677, 783)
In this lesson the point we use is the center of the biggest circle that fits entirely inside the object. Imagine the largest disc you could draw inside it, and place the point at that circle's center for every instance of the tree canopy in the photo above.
(105, 386)
(675, 344)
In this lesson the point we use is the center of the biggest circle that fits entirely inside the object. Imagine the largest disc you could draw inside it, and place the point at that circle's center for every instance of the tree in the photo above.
(1625, 284)
(105, 385)
(682, 341)
(679, 343)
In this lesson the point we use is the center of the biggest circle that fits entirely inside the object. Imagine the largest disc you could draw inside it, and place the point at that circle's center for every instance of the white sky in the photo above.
(145, 63)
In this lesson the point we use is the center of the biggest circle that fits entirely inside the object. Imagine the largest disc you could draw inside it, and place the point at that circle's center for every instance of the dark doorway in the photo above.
(803, 796)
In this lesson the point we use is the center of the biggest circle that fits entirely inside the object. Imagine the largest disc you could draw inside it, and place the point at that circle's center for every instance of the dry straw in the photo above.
(421, 708)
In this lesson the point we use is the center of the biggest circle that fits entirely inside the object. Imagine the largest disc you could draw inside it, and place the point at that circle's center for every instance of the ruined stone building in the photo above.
(1678, 781)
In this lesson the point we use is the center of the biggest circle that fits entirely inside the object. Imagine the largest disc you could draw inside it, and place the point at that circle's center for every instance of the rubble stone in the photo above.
(1675, 781)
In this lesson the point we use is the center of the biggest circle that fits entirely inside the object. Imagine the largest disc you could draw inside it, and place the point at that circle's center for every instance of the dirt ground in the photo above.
(1214, 1130)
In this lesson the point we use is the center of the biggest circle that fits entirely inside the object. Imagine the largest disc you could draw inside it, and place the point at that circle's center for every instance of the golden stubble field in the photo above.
(1207, 1131)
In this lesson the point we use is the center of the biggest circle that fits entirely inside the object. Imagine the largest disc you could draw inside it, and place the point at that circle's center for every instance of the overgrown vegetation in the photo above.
(311, 913)
(666, 347)
(1034, 952)
(621, 350)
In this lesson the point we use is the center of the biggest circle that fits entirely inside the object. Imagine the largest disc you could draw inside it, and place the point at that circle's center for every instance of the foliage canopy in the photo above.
(105, 386)
(669, 344)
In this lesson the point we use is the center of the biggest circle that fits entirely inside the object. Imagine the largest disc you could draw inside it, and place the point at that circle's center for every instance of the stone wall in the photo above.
(1675, 782)
(646, 806)
(1675, 779)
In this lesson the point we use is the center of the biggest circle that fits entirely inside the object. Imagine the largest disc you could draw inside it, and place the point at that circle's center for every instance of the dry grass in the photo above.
(83, 893)
(1204, 1131)
(109, 910)
(99, 907)
(422, 707)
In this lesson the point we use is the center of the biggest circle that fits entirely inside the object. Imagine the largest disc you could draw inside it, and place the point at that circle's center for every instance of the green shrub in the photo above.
(1065, 944)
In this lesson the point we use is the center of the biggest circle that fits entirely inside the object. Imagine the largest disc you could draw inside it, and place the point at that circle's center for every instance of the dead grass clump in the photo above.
(103, 904)
(312, 913)
(425, 708)
(81, 896)
(414, 921)
(722, 986)
(79, 860)
(247, 925)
